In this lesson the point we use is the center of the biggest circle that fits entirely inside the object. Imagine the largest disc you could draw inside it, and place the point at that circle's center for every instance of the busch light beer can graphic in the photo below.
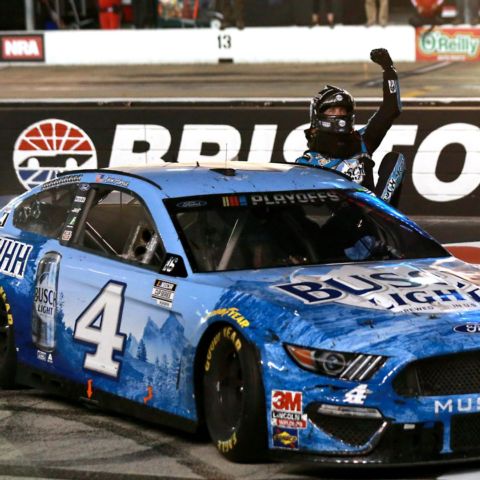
(45, 302)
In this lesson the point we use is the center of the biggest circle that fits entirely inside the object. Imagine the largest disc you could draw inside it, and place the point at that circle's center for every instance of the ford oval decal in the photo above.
(468, 328)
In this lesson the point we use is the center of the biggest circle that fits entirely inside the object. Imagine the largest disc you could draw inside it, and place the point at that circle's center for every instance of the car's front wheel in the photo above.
(8, 357)
(233, 397)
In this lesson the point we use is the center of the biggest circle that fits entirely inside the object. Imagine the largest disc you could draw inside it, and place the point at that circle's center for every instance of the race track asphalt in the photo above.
(423, 79)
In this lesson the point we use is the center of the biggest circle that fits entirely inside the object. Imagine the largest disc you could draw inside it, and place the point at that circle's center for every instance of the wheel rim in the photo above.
(225, 393)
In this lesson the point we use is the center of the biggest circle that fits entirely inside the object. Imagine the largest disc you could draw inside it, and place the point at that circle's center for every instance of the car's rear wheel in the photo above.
(233, 397)
(8, 357)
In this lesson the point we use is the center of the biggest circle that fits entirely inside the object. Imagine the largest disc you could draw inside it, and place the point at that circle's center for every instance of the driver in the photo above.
(333, 142)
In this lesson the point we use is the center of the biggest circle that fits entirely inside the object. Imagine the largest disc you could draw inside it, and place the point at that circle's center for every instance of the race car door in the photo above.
(119, 330)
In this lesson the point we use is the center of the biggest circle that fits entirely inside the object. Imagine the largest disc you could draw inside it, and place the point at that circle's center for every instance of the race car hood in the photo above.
(418, 308)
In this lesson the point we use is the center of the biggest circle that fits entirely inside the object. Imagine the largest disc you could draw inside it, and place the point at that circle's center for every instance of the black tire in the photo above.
(8, 356)
(233, 397)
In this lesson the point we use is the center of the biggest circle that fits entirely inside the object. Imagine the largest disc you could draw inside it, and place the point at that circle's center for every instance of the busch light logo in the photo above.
(45, 302)
(45, 296)
(403, 289)
(51, 146)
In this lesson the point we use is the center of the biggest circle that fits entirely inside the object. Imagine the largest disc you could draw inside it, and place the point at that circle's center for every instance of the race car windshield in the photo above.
(279, 229)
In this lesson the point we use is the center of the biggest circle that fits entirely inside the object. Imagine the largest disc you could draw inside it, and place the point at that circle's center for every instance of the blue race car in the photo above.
(284, 307)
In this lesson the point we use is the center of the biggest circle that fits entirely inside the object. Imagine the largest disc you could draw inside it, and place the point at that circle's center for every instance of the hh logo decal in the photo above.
(13, 257)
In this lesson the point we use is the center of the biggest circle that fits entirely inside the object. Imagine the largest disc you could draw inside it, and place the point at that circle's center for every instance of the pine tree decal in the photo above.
(142, 351)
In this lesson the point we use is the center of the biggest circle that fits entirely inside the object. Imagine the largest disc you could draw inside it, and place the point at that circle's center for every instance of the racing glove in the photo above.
(382, 58)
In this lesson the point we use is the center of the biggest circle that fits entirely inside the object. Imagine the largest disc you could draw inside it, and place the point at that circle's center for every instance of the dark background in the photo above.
(257, 12)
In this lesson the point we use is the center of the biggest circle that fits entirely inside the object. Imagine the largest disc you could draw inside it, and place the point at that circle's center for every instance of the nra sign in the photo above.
(22, 48)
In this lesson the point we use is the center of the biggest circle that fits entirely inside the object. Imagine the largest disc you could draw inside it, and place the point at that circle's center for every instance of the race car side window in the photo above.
(45, 212)
(119, 225)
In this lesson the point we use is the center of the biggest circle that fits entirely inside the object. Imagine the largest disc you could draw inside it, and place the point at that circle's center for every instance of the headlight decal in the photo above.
(348, 366)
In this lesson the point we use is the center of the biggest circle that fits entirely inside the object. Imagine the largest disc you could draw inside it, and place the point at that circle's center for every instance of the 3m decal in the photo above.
(164, 293)
(287, 410)
(79, 199)
(3, 219)
(401, 289)
(107, 306)
(357, 395)
(287, 400)
(285, 438)
(51, 146)
(232, 313)
(13, 257)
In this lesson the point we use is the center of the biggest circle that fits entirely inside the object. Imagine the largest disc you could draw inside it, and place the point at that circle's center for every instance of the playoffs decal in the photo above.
(51, 146)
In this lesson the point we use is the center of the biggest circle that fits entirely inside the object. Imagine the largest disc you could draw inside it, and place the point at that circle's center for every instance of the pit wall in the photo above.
(251, 45)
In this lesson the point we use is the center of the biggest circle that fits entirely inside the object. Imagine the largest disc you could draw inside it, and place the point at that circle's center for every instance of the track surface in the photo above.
(44, 437)
(442, 79)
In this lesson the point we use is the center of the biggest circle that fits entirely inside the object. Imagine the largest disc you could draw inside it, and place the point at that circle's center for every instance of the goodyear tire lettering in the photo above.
(227, 445)
(3, 295)
(211, 348)
(229, 333)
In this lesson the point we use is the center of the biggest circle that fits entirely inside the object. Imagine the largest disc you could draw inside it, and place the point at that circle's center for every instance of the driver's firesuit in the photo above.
(333, 142)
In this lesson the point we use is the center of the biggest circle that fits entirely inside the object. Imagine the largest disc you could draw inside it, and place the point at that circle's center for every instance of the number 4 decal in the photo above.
(108, 307)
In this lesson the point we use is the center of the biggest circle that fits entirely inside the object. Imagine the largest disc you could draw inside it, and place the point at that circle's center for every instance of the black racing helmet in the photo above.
(331, 96)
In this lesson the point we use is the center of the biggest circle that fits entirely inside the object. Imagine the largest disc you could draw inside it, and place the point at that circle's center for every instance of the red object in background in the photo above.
(465, 253)
(428, 8)
(109, 14)
(127, 13)
(187, 11)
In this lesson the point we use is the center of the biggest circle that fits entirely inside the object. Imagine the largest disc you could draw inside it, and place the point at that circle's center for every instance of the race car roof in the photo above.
(180, 179)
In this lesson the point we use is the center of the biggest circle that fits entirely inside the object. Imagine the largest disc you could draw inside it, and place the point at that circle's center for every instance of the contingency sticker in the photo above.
(164, 293)
(287, 409)
(285, 438)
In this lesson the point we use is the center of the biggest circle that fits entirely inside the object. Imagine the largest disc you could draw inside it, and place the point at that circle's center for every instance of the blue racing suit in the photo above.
(355, 159)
